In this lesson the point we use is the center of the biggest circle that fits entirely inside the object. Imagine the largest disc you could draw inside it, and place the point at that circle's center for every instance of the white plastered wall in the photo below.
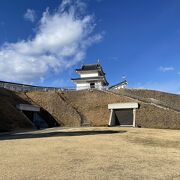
(81, 86)
(98, 85)
(92, 74)
(86, 85)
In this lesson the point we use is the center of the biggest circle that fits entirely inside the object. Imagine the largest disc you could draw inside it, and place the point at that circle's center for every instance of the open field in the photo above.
(91, 153)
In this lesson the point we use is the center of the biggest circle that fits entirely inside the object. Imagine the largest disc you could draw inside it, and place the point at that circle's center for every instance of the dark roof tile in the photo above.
(89, 67)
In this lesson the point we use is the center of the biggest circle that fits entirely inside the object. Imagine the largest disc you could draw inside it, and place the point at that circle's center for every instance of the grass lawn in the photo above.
(91, 153)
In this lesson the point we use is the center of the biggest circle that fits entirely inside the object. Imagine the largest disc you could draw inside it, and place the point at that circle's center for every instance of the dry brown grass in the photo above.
(63, 113)
(73, 108)
(10, 117)
(88, 153)
(93, 108)
(93, 105)
(168, 99)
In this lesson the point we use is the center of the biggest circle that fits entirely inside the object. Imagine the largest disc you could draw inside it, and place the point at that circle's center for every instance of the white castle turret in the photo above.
(92, 76)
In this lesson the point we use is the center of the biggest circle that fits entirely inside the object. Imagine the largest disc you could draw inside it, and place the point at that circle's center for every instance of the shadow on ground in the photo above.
(55, 134)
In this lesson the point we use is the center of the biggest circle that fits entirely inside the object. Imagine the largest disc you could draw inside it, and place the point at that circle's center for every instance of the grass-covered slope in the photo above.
(10, 117)
(92, 106)
(54, 104)
(76, 108)
(168, 99)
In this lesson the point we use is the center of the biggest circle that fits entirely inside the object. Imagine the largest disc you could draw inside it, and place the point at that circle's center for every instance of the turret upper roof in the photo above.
(91, 67)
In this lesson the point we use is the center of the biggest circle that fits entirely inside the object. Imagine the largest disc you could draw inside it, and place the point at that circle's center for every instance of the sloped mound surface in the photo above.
(92, 106)
(52, 102)
(76, 108)
(167, 99)
(157, 109)
(10, 117)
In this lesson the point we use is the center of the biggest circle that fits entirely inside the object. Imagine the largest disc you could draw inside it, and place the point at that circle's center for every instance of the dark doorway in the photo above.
(92, 85)
(37, 120)
(41, 119)
(29, 114)
(123, 117)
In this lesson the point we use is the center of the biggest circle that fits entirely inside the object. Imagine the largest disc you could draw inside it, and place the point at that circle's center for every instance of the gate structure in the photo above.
(122, 114)
(32, 113)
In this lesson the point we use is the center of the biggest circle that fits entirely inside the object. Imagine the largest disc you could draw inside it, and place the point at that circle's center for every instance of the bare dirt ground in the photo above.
(91, 153)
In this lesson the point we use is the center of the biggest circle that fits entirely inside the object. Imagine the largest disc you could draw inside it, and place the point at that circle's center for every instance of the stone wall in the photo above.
(25, 87)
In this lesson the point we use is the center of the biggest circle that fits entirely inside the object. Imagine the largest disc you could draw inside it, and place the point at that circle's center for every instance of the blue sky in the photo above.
(42, 42)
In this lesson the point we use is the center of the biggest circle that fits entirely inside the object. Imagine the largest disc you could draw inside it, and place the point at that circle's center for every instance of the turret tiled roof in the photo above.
(91, 67)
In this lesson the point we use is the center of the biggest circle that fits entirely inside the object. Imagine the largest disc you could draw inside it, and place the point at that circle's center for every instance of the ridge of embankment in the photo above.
(153, 114)
(166, 100)
(79, 108)
(93, 106)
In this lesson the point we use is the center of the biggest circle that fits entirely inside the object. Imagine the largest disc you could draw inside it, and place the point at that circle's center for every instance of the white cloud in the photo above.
(166, 69)
(30, 15)
(61, 41)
